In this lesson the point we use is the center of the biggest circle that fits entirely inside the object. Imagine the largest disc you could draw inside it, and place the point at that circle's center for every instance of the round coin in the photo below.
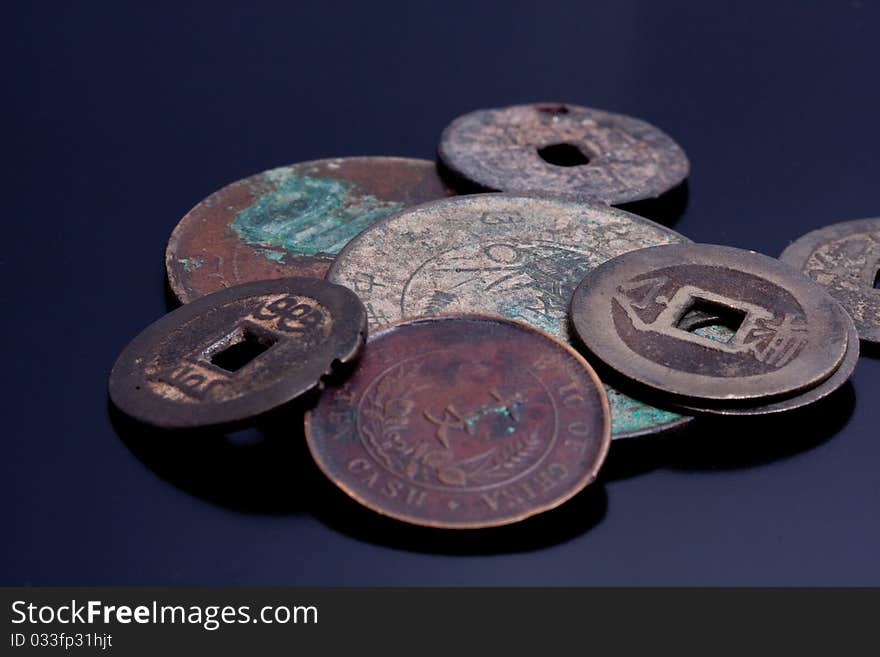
(290, 221)
(562, 150)
(844, 258)
(836, 380)
(462, 421)
(235, 354)
(515, 256)
(786, 334)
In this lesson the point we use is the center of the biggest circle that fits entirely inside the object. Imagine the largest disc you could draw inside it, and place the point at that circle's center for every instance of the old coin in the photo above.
(787, 333)
(840, 376)
(237, 353)
(290, 221)
(516, 256)
(563, 150)
(844, 258)
(462, 421)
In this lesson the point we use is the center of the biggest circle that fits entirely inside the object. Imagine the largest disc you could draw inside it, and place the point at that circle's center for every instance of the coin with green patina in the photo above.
(290, 221)
(513, 255)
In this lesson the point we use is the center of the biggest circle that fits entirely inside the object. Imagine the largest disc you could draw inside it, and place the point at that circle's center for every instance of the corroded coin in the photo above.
(516, 256)
(786, 333)
(462, 421)
(840, 376)
(845, 259)
(562, 150)
(290, 221)
(237, 353)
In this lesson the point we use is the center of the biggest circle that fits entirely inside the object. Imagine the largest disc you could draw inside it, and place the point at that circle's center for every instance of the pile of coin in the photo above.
(457, 301)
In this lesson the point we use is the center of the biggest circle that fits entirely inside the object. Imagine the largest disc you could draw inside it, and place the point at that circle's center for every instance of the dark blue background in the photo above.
(119, 119)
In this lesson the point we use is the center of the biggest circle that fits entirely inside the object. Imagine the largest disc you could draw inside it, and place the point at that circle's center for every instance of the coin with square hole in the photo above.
(235, 354)
(640, 313)
(799, 400)
(844, 258)
(512, 255)
(462, 421)
(562, 150)
(290, 221)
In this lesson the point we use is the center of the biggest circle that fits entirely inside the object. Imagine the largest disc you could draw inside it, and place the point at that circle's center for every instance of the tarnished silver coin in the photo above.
(787, 333)
(844, 258)
(516, 256)
(562, 150)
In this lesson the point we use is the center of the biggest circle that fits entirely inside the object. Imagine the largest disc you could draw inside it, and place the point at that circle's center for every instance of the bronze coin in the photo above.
(563, 150)
(787, 333)
(237, 353)
(462, 421)
(290, 221)
(844, 258)
(515, 256)
(840, 376)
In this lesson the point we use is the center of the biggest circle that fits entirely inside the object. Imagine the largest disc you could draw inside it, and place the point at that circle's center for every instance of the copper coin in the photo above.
(840, 376)
(563, 150)
(788, 334)
(237, 353)
(290, 221)
(515, 256)
(844, 258)
(462, 421)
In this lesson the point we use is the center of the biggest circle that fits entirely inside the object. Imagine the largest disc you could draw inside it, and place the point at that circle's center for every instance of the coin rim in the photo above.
(588, 478)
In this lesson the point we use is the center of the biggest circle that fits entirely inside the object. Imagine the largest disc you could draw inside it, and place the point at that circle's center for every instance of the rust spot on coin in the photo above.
(237, 353)
(785, 334)
(516, 256)
(562, 150)
(462, 421)
(290, 221)
(844, 258)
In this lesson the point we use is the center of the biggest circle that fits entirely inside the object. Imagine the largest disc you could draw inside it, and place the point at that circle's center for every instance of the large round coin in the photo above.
(844, 258)
(462, 421)
(235, 354)
(788, 334)
(290, 221)
(563, 150)
(516, 256)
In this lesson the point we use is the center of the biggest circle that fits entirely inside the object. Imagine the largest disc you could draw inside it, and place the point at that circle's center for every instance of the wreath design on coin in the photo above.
(387, 424)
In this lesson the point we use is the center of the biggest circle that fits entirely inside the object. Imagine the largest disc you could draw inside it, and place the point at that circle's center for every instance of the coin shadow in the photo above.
(869, 349)
(727, 443)
(666, 209)
(251, 470)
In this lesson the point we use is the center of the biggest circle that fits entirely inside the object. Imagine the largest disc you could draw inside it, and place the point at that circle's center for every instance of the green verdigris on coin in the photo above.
(290, 221)
(516, 256)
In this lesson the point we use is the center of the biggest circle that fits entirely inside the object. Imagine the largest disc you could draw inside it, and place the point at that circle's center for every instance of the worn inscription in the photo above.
(518, 257)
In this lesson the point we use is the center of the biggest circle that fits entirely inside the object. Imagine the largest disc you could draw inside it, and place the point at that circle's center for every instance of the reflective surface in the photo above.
(121, 119)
